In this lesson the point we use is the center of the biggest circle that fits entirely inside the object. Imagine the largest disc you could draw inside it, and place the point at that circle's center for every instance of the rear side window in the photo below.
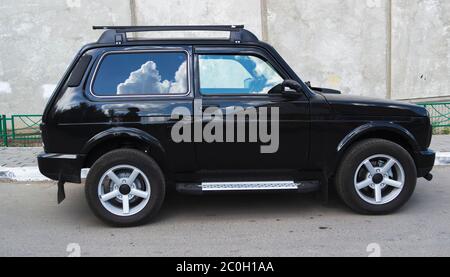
(141, 73)
(79, 70)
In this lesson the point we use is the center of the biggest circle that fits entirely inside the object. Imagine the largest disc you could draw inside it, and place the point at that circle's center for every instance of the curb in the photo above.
(32, 174)
(27, 174)
(442, 158)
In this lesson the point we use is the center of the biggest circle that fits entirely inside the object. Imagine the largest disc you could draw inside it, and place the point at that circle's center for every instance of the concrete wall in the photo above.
(385, 48)
(38, 41)
(333, 43)
(421, 49)
(198, 12)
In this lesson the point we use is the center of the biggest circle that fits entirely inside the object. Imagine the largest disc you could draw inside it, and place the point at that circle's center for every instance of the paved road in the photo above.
(229, 225)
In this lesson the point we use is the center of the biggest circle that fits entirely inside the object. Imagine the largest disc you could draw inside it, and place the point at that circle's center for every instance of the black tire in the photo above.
(142, 162)
(345, 184)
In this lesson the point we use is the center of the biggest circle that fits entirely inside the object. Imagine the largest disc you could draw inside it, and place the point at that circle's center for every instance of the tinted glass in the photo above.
(141, 74)
(232, 74)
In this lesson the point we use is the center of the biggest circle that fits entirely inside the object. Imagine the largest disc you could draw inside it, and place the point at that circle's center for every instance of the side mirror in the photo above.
(291, 88)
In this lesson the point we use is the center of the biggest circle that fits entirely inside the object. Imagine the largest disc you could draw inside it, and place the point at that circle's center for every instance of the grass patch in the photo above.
(441, 131)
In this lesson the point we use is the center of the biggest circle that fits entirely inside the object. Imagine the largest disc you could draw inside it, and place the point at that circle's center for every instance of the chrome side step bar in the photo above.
(205, 187)
(245, 186)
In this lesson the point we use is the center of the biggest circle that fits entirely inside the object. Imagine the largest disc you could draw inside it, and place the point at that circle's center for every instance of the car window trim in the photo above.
(112, 52)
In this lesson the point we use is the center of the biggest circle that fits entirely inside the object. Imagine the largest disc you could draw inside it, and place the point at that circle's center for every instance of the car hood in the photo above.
(367, 106)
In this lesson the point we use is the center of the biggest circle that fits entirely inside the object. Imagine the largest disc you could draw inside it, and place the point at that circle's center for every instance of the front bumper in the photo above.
(64, 167)
(425, 162)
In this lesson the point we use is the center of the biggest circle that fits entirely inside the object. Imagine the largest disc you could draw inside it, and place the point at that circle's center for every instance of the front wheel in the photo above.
(125, 187)
(376, 177)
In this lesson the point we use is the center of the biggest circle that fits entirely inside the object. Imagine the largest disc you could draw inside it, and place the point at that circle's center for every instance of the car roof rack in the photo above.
(118, 34)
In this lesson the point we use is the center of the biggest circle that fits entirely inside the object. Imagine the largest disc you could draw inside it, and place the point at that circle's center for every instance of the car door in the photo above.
(238, 81)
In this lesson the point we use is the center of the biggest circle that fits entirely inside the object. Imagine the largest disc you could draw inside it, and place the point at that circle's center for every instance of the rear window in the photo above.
(141, 73)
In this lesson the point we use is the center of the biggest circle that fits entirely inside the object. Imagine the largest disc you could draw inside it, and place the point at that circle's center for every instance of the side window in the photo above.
(236, 74)
(141, 73)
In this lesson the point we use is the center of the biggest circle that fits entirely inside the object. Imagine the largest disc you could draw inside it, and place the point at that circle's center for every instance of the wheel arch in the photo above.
(121, 137)
(388, 131)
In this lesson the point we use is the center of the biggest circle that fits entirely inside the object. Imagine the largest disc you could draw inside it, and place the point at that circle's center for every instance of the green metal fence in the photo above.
(20, 130)
(439, 113)
(3, 138)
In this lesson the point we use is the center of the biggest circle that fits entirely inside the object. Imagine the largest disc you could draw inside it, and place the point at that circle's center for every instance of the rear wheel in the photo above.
(125, 187)
(376, 177)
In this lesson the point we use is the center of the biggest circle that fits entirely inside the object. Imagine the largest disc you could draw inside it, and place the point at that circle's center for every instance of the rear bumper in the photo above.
(425, 162)
(65, 167)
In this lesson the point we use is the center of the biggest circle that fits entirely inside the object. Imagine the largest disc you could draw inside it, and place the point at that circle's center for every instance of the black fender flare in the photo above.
(378, 126)
(365, 129)
(157, 151)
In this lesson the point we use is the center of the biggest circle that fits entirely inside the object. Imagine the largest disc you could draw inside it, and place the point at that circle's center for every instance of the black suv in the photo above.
(223, 114)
